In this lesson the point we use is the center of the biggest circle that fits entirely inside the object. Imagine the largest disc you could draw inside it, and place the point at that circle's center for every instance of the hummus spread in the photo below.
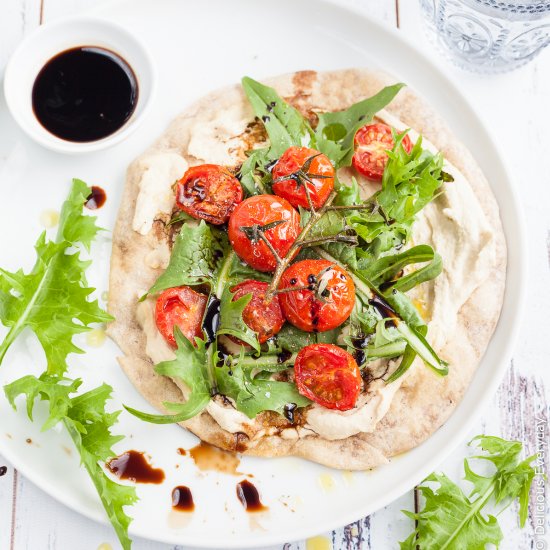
(159, 172)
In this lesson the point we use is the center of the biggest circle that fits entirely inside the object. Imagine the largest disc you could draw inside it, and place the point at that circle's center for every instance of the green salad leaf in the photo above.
(89, 425)
(347, 195)
(231, 319)
(335, 132)
(191, 366)
(410, 182)
(284, 124)
(196, 255)
(253, 395)
(385, 271)
(452, 519)
(293, 339)
(286, 127)
(253, 176)
(53, 300)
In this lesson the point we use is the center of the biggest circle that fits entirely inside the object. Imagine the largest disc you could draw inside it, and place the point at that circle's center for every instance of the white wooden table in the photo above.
(517, 107)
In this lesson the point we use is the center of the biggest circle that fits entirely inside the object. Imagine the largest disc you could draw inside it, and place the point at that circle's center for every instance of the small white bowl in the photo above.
(49, 40)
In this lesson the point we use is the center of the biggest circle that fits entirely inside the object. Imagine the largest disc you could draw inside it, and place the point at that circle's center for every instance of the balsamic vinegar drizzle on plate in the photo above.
(96, 199)
(182, 499)
(133, 466)
(207, 457)
(249, 497)
(84, 94)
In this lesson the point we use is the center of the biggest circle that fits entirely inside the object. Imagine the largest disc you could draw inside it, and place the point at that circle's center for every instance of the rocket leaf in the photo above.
(194, 259)
(335, 131)
(89, 425)
(53, 300)
(452, 519)
(191, 367)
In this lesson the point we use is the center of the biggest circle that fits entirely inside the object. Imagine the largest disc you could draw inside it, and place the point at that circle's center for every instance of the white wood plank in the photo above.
(17, 18)
(7, 493)
(43, 523)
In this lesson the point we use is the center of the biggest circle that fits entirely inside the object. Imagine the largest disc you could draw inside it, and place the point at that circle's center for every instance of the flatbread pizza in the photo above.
(311, 266)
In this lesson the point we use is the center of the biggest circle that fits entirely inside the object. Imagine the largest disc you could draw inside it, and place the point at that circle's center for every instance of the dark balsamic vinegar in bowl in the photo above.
(84, 94)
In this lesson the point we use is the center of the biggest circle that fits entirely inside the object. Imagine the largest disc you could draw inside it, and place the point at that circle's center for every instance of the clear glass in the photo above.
(487, 36)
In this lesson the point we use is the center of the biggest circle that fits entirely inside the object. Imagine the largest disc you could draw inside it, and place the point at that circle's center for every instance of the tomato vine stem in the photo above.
(283, 263)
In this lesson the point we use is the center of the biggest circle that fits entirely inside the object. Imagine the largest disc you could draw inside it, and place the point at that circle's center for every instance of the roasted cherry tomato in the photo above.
(182, 307)
(371, 143)
(324, 295)
(258, 217)
(300, 167)
(328, 375)
(264, 318)
(208, 192)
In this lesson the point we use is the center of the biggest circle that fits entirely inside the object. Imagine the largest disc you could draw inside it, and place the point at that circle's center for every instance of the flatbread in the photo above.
(424, 401)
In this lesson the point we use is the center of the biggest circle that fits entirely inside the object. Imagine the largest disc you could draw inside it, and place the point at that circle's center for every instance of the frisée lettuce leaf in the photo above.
(195, 257)
(452, 519)
(190, 366)
(53, 299)
(89, 425)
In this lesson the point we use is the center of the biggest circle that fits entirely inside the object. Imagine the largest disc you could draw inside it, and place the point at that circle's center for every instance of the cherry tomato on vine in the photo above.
(299, 167)
(258, 218)
(208, 192)
(264, 318)
(371, 143)
(328, 375)
(324, 295)
(182, 307)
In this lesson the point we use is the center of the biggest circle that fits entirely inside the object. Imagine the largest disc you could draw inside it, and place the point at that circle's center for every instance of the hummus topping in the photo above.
(229, 418)
(159, 171)
(218, 141)
(156, 347)
(371, 408)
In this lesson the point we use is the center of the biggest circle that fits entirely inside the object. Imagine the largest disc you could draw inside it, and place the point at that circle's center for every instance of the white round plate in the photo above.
(197, 47)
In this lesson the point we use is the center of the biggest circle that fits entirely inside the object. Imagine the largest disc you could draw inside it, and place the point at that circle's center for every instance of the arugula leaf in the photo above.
(347, 195)
(451, 519)
(408, 322)
(253, 395)
(410, 182)
(89, 426)
(291, 338)
(335, 132)
(231, 319)
(253, 183)
(195, 257)
(384, 270)
(190, 366)
(53, 300)
(240, 271)
(333, 223)
(284, 124)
